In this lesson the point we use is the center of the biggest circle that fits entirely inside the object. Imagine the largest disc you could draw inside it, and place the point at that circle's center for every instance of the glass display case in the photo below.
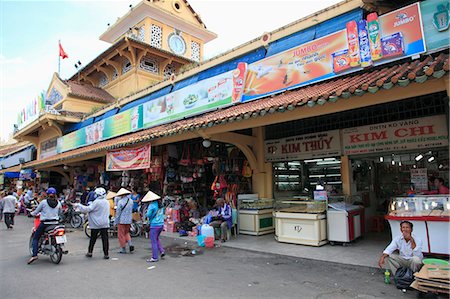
(256, 204)
(424, 205)
(300, 206)
(255, 215)
(300, 221)
(430, 217)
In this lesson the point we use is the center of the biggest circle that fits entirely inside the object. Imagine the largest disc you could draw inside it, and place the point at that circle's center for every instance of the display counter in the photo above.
(255, 216)
(300, 222)
(430, 216)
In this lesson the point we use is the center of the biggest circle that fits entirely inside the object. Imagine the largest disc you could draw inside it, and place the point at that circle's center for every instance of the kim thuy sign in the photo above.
(323, 144)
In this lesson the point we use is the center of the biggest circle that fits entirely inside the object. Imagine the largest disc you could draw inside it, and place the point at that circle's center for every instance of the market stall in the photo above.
(300, 222)
(430, 216)
(255, 215)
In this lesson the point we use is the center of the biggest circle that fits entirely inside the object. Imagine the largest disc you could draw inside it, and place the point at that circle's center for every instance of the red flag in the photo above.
(62, 53)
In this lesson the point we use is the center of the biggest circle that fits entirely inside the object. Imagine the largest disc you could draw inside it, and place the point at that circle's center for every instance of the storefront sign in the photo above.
(48, 148)
(128, 159)
(419, 178)
(418, 133)
(26, 174)
(216, 92)
(436, 21)
(209, 94)
(323, 144)
(376, 41)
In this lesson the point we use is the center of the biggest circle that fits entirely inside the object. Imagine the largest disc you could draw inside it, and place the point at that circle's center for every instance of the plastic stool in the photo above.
(376, 224)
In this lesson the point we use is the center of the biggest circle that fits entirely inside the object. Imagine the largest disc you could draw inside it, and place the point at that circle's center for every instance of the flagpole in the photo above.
(59, 57)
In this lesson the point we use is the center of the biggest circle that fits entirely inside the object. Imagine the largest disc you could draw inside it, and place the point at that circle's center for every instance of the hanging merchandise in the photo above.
(246, 170)
(185, 156)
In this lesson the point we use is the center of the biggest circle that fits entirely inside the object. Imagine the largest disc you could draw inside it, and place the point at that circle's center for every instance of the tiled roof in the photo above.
(72, 114)
(12, 148)
(90, 92)
(371, 81)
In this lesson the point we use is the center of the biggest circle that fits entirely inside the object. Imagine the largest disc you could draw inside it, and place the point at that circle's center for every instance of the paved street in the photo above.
(211, 273)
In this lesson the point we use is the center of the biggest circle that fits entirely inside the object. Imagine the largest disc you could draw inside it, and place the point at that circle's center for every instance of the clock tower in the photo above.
(169, 25)
(152, 42)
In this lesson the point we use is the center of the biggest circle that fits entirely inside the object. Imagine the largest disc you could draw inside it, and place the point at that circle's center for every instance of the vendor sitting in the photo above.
(409, 247)
(223, 220)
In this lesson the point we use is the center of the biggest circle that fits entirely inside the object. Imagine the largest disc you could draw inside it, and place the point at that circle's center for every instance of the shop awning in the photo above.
(371, 80)
(12, 175)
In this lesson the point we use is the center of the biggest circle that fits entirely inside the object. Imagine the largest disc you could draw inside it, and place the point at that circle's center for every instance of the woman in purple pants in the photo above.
(155, 215)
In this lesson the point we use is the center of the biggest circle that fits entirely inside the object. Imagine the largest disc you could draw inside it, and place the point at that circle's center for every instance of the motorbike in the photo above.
(135, 228)
(71, 216)
(51, 242)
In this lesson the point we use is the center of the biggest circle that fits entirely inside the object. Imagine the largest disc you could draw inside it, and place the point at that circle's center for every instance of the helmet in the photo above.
(51, 190)
(99, 192)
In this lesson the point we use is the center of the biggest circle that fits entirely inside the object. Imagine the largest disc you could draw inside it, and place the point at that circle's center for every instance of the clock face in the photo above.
(177, 44)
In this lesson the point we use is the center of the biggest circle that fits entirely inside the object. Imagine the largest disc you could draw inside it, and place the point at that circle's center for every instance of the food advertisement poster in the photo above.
(71, 141)
(129, 159)
(128, 121)
(363, 43)
(436, 20)
(295, 67)
(323, 144)
(418, 133)
(209, 94)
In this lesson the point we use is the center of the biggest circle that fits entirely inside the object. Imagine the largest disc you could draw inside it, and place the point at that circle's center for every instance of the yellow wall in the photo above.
(70, 104)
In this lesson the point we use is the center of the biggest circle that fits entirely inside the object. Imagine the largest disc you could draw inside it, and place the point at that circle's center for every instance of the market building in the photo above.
(353, 99)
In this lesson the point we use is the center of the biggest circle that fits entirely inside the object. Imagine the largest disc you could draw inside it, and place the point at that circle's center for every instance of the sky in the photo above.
(30, 30)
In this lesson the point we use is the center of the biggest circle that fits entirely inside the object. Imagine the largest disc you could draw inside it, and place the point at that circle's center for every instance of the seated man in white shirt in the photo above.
(409, 251)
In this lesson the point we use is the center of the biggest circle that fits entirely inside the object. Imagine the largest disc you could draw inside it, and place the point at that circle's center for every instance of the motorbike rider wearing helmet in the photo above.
(49, 210)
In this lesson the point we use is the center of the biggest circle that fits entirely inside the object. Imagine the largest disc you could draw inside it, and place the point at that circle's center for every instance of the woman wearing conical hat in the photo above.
(155, 215)
(124, 219)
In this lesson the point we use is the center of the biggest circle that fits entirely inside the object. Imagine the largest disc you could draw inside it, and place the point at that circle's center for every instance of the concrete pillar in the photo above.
(346, 175)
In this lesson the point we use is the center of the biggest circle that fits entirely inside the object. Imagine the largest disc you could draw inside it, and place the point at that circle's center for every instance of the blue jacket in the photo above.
(155, 215)
(227, 215)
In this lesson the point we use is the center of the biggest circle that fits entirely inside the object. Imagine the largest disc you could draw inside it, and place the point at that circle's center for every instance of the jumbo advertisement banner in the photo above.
(323, 144)
(374, 41)
(216, 92)
(419, 133)
(129, 159)
(436, 21)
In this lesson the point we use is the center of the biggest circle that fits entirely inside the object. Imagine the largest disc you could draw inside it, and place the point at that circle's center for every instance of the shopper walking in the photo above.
(124, 219)
(2, 204)
(155, 215)
(98, 217)
(9, 209)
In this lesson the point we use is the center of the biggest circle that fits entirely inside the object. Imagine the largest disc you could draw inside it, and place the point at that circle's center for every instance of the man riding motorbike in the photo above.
(49, 210)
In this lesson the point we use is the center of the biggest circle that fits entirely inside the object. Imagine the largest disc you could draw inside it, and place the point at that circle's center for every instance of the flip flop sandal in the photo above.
(32, 259)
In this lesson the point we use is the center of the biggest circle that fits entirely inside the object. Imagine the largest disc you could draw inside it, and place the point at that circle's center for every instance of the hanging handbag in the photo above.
(185, 160)
(246, 170)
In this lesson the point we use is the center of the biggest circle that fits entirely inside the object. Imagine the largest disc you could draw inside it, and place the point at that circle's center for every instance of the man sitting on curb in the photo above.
(410, 251)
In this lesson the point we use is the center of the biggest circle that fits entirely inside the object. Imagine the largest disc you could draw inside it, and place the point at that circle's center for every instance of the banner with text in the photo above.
(419, 133)
(209, 94)
(374, 41)
(316, 145)
(436, 21)
(129, 159)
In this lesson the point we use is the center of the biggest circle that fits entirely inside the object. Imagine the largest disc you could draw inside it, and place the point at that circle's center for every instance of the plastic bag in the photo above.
(403, 278)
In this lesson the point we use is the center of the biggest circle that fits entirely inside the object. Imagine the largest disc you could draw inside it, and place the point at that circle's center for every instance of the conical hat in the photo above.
(111, 195)
(122, 192)
(150, 196)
